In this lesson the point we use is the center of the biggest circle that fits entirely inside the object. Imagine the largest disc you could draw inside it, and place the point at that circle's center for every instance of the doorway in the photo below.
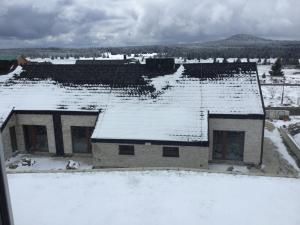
(228, 145)
(81, 139)
(36, 138)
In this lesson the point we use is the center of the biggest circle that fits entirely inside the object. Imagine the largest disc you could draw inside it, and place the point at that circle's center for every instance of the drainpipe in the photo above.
(6, 217)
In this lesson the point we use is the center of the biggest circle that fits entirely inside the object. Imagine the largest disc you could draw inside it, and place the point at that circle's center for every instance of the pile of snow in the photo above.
(72, 165)
(160, 198)
(25, 162)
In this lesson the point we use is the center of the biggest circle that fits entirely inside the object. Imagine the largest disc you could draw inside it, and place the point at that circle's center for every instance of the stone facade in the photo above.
(107, 155)
(253, 136)
(18, 120)
(72, 120)
(6, 140)
(35, 119)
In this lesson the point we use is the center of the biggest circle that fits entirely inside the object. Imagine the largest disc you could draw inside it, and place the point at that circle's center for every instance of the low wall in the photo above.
(289, 140)
(107, 155)
(293, 111)
(277, 114)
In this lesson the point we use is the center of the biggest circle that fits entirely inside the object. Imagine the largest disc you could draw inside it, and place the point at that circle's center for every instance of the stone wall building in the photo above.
(158, 114)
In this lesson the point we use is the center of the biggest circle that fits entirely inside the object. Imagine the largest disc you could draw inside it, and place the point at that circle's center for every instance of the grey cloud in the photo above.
(25, 22)
(115, 22)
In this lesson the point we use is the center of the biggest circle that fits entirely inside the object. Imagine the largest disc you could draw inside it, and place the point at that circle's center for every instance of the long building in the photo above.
(158, 114)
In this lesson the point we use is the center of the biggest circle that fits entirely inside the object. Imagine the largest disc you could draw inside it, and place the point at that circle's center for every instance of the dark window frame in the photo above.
(88, 133)
(224, 136)
(169, 151)
(126, 150)
(13, 138)
(30, 137)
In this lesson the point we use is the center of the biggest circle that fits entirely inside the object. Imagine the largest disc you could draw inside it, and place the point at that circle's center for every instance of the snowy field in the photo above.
(272, 95)
(157, 197)
(291, 74)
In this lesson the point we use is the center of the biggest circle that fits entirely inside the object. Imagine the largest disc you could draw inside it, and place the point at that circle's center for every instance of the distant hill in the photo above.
(246, 40)
(239, 45)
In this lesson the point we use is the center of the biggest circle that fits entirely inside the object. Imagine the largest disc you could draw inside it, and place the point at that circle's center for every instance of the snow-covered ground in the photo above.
(293, 119)
(281, 147)
(108, 56)
(272, 95)
(157, 197)
(70, 60)
(46, 162)
(297, 138)
(224, 168)
(291, 74)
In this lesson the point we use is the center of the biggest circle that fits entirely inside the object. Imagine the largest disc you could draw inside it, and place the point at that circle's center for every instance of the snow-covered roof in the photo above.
(179, 112)
(173, 115)
(165, 105)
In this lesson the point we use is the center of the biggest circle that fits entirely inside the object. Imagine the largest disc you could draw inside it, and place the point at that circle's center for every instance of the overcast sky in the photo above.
(84, 23)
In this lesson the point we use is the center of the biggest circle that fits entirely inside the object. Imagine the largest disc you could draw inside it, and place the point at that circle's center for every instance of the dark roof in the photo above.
(7, 66)
(218, 70)
(114, 75)
(160, 63)
(124, 75)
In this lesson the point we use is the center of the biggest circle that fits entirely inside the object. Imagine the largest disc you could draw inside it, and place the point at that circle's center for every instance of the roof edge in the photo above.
(48, 112)
(3, 125)
(237, 116)
(62, 112)
(152, 142)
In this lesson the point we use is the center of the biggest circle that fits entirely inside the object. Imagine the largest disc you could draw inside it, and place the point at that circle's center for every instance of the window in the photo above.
(81, 139)
(126, 150)
(170, 151)
(35, 138)
(228, 145)
(13, 138)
